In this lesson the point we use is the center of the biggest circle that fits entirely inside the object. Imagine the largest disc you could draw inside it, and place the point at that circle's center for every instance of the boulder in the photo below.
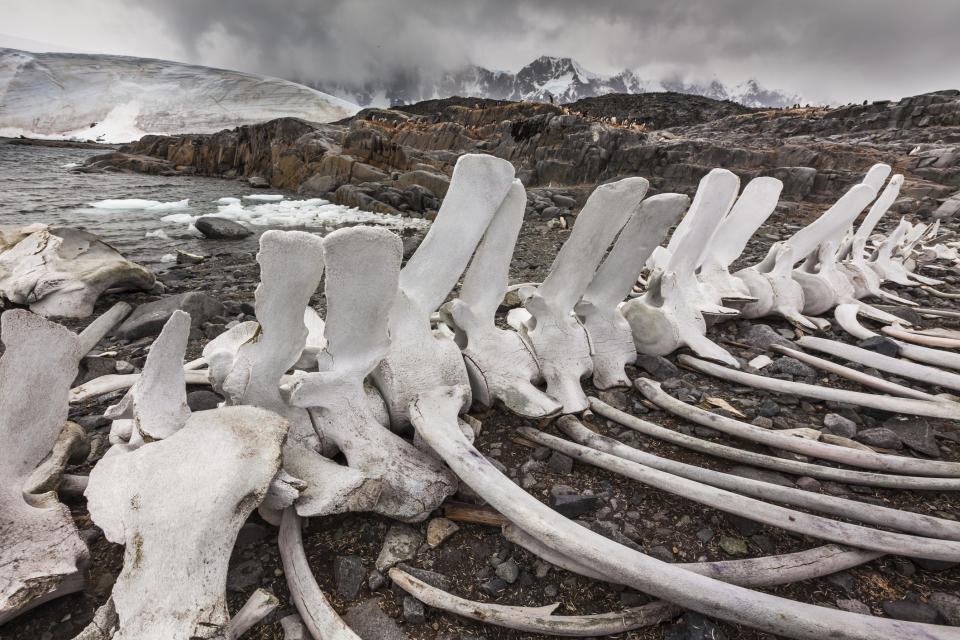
(220, 228)
(148, 319)
(61, 271)
(949, 208)
(437, 183)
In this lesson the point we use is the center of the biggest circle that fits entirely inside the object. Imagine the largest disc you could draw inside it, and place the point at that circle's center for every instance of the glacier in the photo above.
(108, 98)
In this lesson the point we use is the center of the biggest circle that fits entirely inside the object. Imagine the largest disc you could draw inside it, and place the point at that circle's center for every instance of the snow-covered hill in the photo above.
(119, 99)
(562, 79)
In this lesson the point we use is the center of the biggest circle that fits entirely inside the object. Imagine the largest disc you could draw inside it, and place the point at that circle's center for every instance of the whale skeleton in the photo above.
(393, 354)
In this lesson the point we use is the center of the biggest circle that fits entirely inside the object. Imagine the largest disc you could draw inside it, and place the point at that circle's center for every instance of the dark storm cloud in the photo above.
(836, 50)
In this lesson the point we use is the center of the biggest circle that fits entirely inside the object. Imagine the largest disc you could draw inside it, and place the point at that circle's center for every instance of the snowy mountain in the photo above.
(563, 79)
(119, 99)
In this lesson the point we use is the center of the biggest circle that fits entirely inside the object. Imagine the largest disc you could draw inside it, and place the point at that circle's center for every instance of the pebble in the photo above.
(413, 610)
(881, 437)
(376, 580)
(705, 535)
(439, 529)
(508, 571)
(493, 588)
(400, 544)
(560, 463)
(838, 425)
(733, 546)
(348, 574)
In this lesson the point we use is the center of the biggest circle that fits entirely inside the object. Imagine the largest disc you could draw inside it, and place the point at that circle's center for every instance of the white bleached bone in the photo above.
(926, 340)
(771, 281)
(907, 406)
(846, 316)
(257, 607)
(499, 364)
(118, 382)
(156, 404)
(177, 505)
(669, 315)
(948, 472)
(890, 267)
(317, 615)
(434, 415)
(363, 265)
(420, 358)
(752, 208)
(96, 330)
(547, 322)
(71, 447)
(896, 366)
(849, 509)
(60, 271)
(42, 556)
(608, 332)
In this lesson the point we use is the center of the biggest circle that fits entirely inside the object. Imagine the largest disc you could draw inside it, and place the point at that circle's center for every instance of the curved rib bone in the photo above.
(177, 506)
(896, 331)
(537, 619)
(896, 366)
(419, 358)
(752, 208)
(499, 364)
(557, 338)
(608, 332)
(42, 556)
(668, 316)
(949, 472)
(862, 512)
(317, 614)
(363, 265)
(434, 415)
(765, 571)
(846, 316)
(884, 403)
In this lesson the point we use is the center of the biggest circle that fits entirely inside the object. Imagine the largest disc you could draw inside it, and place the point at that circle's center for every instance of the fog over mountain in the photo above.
(824, 52)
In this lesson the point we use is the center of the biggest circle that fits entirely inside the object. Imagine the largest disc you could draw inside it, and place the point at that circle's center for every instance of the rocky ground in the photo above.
(473, 560)
(399, 161)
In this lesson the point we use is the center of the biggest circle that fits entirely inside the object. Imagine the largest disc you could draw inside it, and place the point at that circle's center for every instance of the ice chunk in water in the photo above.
(264, 197)
(139, 204)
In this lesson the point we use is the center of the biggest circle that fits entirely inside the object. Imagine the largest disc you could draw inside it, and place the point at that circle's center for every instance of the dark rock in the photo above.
(615, 398)
(560, 463)
(705, 535)
(410, 245)
(348, 574)
(220, 228)
(432, 578)
(948, 605)
(768, 409)
(148, 319)
(808, 484)
(853, 606)
(733, 546)
(745, 526)
(203, 400)
(880, 344)
(842, 580)
(761, 335)
(376, 580)
(541, 453)
(839, 426)
(92, 367)
(763, 475)
(400, 543)
(693, 626)
(934, 565)
(912, 609)
(915, 433)
(791, 367)
(610, 530)
(413, 610)
(369, 622)
(250, 534)
(879, 437)
(573, 505)
(657, 366)
(244, 575)
(493, 588)
(508, 571)
(661, 553)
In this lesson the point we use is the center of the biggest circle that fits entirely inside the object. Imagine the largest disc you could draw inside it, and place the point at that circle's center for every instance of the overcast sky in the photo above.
(824, 50)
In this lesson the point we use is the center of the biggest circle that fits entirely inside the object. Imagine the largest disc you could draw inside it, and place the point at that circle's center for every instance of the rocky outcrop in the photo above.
(399, 161)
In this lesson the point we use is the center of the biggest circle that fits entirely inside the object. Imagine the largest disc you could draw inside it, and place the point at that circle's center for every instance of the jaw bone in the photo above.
(771, 281)
(363, 266)
(419, 358)
(609, 333)
(548, 323)
(668, 315)
(499, 363)
(177, 506)
(752, 208)
(42, 556)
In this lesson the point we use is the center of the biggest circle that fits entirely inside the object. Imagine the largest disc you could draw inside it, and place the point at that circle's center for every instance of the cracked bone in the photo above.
(904, 521)
(778, 440)
(317, 615)
(846, 316)
(61, 271)
(668, 316)
(435, 417)
(499, 364)
(746, 507)
(907, 406)
(418, 357)
(752, 208)
(42, 556)
(156, 404)
(547, 322)
(608, 332)
(948, 472)
(771, 281)
(363, 266)
(177, 506)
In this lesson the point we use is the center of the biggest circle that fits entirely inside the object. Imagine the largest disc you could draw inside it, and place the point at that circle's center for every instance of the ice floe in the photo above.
(262, 197)
(139, 204)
